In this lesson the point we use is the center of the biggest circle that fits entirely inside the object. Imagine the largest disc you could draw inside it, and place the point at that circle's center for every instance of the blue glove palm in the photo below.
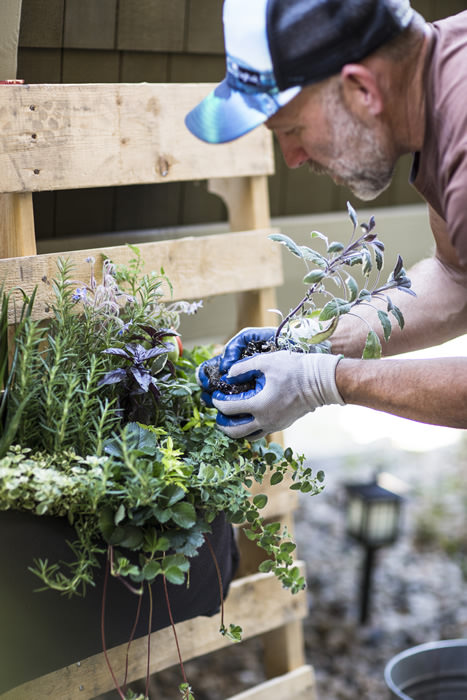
(234, 351)
(242, 343)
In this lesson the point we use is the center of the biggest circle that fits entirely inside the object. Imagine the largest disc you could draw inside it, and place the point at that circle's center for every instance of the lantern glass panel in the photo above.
(372, 514)
(355, 517)
(382, 522)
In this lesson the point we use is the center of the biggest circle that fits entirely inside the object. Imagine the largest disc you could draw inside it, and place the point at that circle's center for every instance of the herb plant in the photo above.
(309, 327)
(101, 427)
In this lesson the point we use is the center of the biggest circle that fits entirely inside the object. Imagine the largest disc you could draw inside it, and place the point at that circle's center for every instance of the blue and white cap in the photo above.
(249, 94)
(276, 47)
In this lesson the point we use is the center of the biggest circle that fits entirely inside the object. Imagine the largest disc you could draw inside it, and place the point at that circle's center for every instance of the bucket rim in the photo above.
(411, 651)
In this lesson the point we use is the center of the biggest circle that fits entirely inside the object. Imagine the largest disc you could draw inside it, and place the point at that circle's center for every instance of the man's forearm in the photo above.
(429, 391)
(438, 313)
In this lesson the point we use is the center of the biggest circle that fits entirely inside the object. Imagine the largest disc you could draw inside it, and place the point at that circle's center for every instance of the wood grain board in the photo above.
(98, 135)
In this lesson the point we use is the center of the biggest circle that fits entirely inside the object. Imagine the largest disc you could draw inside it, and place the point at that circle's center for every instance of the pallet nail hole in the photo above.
(163, 167)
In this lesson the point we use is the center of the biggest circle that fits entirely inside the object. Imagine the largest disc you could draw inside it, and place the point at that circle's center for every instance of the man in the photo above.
(347, 88)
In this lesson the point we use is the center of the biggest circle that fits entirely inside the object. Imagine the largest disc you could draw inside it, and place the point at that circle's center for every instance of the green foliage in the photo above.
(99, 426)
(234, 632)
(186, 691)
(309, 327)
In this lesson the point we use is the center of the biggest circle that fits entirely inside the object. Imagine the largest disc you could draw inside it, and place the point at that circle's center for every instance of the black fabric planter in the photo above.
(43, 631)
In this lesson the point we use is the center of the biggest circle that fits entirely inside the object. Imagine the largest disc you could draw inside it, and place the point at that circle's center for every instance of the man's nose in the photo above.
(294, 155)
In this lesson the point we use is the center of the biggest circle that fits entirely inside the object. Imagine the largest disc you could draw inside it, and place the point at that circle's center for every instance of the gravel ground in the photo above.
(419, 587)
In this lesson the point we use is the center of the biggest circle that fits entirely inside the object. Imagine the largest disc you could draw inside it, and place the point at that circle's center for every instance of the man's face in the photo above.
(317, 129)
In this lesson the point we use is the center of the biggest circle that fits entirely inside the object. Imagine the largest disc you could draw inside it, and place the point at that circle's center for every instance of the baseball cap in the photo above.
(276, 47)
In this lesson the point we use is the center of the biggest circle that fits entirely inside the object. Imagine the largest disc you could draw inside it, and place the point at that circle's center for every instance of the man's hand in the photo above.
(234, 350)
(287, 385)
(242, 342)
(204, 379)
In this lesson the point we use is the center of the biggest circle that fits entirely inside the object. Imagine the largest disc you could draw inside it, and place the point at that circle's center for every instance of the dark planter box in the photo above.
(43, 631)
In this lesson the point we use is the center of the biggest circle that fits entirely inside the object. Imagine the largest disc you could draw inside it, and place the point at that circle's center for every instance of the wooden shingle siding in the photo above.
(90, 24)
(78, 66)
(204, 27)
(38, 65)
(42, 23)
(196, 69)
(151, 25)
(144, 66)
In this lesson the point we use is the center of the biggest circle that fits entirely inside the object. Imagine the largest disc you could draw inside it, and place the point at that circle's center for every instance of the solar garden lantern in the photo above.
(373, 518)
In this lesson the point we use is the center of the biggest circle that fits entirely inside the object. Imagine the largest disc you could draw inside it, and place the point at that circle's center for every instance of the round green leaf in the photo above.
(260, 500)
(151, 569)
(184, 514)
(174, 575)
(266, 566)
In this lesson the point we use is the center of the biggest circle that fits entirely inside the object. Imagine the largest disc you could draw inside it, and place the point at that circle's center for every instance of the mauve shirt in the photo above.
(439, 170)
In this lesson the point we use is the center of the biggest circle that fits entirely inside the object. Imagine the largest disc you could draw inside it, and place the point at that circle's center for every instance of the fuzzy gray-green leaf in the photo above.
(352, 287)
(318, 234)
(314, 257)
(352, 214)
(372, 350)
(314, 276)
(335, 247)
(288, 242)
(335, 307)
(386, 324)
(397, 313)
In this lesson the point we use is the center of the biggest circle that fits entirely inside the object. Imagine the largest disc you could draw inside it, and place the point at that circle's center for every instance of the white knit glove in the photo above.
(287, 385)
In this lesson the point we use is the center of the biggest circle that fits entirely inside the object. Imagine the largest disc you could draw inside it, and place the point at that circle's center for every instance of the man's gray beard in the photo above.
(366, 184)
(361, 145)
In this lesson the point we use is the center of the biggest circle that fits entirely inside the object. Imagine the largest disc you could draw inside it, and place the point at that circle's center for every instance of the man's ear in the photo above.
(361, 90)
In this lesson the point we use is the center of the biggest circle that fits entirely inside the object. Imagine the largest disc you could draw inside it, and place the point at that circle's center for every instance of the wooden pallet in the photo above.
(73, 136)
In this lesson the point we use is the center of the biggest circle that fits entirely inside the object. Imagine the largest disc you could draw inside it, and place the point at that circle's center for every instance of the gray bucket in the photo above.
(433, 671)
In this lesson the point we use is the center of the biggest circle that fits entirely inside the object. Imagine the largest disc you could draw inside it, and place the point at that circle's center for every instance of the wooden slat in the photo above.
(247, 201)
(297, 685)
(17, 225)
(284, 649)
(197, 267)
(257, 603)
(97, 135)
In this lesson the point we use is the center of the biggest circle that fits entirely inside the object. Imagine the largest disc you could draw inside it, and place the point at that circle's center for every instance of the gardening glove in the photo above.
(287, 385)
(233, 352)
(202, 377)
(240, 342)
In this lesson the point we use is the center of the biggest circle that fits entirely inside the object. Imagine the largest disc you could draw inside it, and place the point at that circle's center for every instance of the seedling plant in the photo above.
(309, 327)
